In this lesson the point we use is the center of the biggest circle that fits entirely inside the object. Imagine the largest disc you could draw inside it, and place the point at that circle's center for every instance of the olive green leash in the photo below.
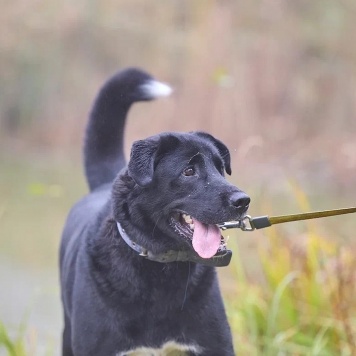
(249, 223)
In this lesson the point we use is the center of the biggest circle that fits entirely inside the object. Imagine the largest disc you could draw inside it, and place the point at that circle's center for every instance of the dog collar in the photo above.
(221, 259)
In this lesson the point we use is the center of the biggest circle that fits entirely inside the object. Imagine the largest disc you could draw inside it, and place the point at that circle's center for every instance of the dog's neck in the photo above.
(171, 255)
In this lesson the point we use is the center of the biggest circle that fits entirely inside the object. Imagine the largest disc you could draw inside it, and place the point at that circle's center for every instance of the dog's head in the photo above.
(179, 193)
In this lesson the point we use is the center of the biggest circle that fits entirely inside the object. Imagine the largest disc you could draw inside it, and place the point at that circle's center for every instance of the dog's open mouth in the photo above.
(206, 239)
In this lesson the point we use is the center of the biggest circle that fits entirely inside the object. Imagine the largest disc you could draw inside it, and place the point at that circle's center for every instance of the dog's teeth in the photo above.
(224, 240)
(191, 226)
(187, 218)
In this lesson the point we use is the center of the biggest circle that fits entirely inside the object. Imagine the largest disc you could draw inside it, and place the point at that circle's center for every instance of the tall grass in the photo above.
(306, 303)
(15, 346)
(24, 341)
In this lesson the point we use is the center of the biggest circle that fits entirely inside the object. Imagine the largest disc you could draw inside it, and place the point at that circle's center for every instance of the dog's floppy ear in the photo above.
(145, 154)
(223, 150)
(141, 164)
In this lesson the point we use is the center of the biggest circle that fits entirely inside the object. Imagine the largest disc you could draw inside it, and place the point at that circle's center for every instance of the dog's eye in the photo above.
(188, 172)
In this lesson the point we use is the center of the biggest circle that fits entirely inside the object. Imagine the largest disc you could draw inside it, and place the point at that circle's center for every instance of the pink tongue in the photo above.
(206, 239)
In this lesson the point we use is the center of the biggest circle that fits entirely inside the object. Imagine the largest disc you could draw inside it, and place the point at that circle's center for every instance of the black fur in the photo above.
(115, 300)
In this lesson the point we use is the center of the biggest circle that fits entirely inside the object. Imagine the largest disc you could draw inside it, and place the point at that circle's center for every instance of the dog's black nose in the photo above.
(240, 201)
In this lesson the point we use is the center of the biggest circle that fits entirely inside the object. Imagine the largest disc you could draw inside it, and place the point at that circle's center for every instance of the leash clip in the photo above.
(247, 224)
(244, 224)
(230, 225)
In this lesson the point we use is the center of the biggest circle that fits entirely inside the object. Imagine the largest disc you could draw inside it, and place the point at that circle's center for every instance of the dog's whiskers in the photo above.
(153, 231)
(186, 287)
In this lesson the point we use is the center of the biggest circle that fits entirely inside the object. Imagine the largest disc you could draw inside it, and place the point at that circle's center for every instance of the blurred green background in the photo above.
(274, 80)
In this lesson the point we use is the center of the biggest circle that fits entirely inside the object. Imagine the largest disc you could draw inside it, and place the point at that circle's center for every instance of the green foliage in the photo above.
(13, 346)
(24, 341)
(306, 304)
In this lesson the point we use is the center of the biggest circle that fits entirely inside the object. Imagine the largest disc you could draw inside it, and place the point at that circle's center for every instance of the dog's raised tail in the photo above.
(103, 146)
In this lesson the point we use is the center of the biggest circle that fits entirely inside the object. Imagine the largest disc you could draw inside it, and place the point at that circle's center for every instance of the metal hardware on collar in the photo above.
(245, 224)
(221, 259)
(249, 223)
(140, 250)
(231, 225)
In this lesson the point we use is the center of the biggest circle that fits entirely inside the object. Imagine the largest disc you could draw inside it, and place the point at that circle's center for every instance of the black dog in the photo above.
(138, 253)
